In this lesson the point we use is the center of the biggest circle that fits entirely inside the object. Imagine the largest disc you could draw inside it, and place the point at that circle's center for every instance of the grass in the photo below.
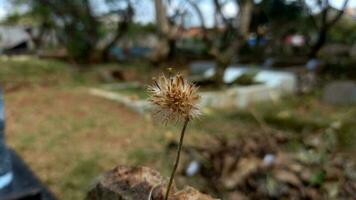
(25, 69)
(69, 137)
(61, 133)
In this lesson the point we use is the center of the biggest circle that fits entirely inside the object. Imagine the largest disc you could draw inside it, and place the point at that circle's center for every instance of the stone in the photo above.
(189, 193)
(129, 183)
(340, 93)
(138, 183)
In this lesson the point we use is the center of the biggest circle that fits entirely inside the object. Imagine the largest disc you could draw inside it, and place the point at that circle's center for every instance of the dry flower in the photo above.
(175, 98)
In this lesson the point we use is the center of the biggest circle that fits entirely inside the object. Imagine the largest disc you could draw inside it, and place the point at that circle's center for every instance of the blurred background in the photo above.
(277, 80)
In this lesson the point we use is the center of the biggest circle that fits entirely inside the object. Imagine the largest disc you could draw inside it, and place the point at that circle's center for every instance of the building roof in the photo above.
(11, 36)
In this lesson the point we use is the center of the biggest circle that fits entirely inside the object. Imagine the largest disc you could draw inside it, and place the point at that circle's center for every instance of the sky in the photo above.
(145, 10)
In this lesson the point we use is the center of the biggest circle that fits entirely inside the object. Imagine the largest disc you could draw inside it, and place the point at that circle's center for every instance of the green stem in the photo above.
(177, 158)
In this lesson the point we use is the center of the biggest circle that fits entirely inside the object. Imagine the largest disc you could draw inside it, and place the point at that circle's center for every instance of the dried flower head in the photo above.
(175, 98)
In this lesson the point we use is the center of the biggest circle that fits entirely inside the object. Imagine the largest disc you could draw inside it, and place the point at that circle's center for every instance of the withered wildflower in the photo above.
(175, 99)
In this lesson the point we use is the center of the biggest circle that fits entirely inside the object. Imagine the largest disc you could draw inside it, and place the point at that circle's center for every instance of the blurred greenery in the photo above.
(343, 32)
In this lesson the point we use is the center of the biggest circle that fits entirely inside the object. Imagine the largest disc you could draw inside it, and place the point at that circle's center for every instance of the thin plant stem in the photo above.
(177, 158)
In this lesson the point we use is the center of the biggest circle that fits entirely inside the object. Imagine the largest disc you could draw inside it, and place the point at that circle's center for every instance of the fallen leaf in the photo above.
(245, 167)
(287, 177)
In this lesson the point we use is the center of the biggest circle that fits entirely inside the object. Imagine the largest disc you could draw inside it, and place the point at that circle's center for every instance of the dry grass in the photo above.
(69, 137)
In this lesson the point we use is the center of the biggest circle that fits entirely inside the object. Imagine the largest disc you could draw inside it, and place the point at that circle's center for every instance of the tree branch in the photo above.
(218, 8)
(121, 28)
(200, 17)
(339, 14)
(310, 14)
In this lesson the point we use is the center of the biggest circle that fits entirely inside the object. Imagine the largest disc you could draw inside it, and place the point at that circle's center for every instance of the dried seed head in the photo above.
(175, 98)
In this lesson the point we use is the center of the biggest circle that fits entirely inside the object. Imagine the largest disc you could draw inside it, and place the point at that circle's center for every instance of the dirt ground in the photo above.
(68, 136)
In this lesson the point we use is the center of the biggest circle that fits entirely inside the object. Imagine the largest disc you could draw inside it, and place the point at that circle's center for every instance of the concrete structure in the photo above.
(14, 36)
(272, 85)
(239, 97)
(137, 105)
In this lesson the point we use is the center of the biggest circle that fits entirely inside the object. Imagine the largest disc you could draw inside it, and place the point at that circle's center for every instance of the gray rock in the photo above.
(138, 183)
(340, 93)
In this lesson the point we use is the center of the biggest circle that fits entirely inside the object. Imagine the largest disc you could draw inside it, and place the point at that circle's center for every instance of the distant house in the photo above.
(193, 32)
(350, 13)
(196, 32)
(14, 39)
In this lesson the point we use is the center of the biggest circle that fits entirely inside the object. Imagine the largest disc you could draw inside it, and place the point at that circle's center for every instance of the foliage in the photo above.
(343, 32)
(275, 9)
(78, 28)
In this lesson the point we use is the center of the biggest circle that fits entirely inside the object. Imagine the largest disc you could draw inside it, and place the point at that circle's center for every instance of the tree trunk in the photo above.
(172, 48)
(161, 18)
(225, 58)
(220, 70)
(319, 43)
(121, 30)
(244, 17)
(163, 48)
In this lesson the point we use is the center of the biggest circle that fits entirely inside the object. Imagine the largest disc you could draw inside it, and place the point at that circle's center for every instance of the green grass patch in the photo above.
(80, 177)
(26, 68)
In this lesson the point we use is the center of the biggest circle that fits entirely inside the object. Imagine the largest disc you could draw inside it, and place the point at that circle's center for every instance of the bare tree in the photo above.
(324, 22)
(77, 26)
(125, 16)
(168, 28)
(226, 38)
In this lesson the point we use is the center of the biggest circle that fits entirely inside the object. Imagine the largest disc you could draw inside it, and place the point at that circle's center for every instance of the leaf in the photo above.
(246, 166)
